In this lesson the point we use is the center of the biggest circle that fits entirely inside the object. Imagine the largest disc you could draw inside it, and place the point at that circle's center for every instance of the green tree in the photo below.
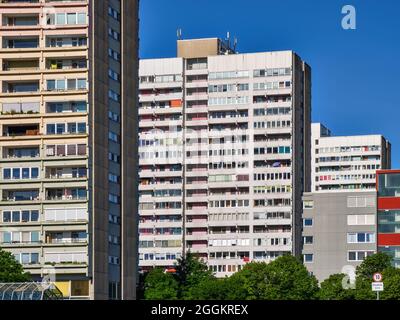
(378, 262)
(250, 282)
(391, 282)
(332, 289)
(375, 263)
(286, 278)
(159, 285)
(208, 289)
(191, 271)
(10, 269)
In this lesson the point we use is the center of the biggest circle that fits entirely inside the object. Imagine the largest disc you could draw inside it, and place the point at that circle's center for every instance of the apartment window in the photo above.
(308, 222)
(114, 96)
(114, 34)
(359, 255)
(361, 237)
(66, 84)
(114, 116)
(114, 75)
(20, 216)
(113, 260)
(360, 202)
(113, 198)
(114, 55)
(20, 173)
(308, 240)
(113, 178)
(66, 128)
(308, 204)
(114, 13)
(66, 18)
(27, 258)
(361, 220)
(308, 258)
(114, 157)
(113, 137)
(114, 219)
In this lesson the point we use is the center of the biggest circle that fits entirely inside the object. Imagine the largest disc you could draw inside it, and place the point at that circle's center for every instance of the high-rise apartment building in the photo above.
(346, 163)
(388, 188)
(68, 135)
(224, 149)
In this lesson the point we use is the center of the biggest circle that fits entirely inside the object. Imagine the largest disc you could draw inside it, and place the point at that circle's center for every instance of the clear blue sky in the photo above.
(356, 73)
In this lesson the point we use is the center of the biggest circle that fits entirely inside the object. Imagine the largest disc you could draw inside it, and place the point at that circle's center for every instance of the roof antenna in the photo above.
(179, 34)
(235, 42)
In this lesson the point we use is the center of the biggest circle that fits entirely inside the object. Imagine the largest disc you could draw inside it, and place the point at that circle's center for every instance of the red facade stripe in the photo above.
(389, 239)
(388, 203)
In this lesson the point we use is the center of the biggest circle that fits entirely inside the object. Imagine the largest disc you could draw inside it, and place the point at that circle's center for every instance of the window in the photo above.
(308, 240)
(113, 178)
(20, 173)
(360, 202)
(308, 258)
(389, 185)
(308, 222)
(113, 198)
(113, 116)
(358, 255)
(114, 75)
(361, 220)
(308, 204)
(66, 18)
(113, 137)
(114, 13)
(361, 237)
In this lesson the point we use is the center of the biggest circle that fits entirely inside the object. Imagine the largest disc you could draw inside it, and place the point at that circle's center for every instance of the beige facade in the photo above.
(346, 163)
(68, 131)
(223, 147)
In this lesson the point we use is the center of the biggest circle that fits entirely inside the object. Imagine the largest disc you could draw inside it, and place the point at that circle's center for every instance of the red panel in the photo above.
(389, 239)
(387, 171)
(388, 203)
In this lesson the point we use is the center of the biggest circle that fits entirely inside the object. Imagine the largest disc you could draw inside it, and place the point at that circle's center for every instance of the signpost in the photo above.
(377, 285)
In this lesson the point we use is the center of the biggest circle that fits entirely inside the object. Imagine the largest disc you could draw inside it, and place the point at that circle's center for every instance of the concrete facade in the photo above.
(223, 150)
(68, 135)
(339, 231)
(346, 163)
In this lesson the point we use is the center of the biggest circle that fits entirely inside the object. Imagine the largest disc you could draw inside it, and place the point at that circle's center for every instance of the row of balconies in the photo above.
(24, 3)
(33, 195)
(50, 66)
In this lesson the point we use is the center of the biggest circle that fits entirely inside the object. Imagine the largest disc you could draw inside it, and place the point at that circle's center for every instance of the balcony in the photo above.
(66, 238)
(20, 21)
(21, 153)
(22, 66)
(22, 2)
(21, 130)
(21, 88)
(66, 173)
(67, 258)
(20, 195)
(71, 42)
(77, 194)
(21, 43)
(10, 110)
(66, 64)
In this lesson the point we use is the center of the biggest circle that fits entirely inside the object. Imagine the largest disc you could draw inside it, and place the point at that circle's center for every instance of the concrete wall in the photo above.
(330, 227)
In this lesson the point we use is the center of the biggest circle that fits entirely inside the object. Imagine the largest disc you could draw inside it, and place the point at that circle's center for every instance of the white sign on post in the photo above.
(377, 286)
